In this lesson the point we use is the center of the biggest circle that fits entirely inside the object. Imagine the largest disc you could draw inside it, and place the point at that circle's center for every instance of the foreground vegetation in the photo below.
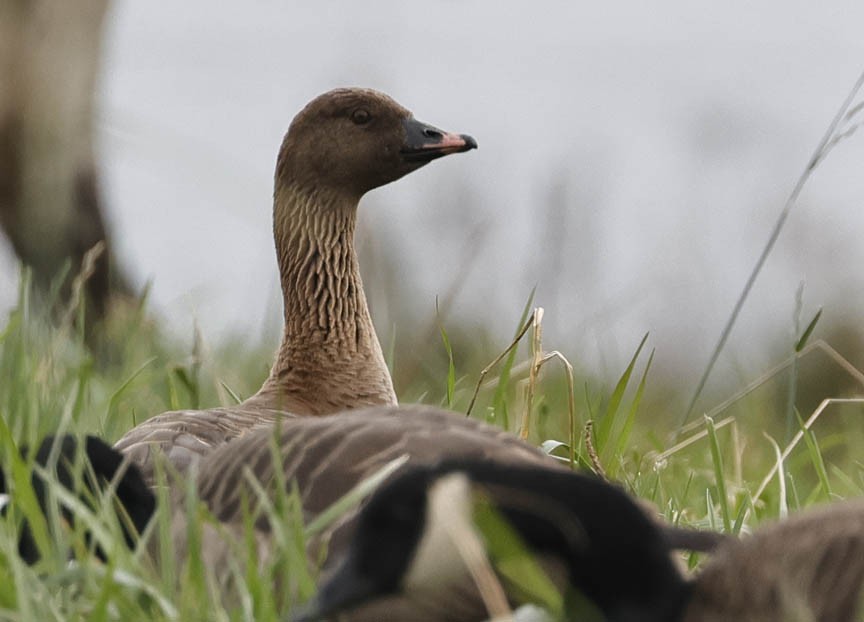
(727, 472)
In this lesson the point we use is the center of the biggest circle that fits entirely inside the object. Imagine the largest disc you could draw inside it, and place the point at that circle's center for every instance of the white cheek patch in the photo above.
(4, 501)
(531, 613)
(437, 562)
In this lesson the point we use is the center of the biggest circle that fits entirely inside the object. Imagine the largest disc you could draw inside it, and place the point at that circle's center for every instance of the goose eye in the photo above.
(361, 116)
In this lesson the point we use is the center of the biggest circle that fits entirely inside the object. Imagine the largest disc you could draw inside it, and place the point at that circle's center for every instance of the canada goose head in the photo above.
(101, 461)
(352, 140)
(612, 554)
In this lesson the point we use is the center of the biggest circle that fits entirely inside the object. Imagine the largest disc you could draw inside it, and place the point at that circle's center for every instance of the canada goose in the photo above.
(403, 556)
(341, 145)
(809, 567)
(59, 457)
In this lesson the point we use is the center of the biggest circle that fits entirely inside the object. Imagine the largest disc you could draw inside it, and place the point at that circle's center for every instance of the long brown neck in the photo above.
(330, 358)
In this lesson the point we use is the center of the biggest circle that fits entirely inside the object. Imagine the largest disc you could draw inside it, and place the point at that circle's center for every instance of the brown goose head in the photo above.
(352, 140)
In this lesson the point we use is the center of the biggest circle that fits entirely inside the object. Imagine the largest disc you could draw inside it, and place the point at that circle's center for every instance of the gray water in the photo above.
(633, 157)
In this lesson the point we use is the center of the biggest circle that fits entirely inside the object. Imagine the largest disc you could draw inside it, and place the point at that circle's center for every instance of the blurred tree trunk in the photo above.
(49, 198)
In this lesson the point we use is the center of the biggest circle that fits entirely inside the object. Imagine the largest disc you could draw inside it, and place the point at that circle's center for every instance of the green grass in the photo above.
(52, 383)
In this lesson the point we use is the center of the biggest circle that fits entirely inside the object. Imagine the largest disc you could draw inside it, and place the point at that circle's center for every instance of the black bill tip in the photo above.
(424, 142)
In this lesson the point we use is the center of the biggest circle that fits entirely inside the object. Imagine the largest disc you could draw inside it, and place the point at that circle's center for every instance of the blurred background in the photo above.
(632, 162)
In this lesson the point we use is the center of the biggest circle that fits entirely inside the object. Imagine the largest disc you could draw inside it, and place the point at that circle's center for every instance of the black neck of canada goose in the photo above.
(341, 145)
(62, 458)
(611, 553)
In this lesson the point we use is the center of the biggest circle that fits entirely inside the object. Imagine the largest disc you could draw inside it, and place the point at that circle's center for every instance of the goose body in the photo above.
(403, 564)
(324, 458)
(327, 456)
(809, 566)
(341, 145)
(183, 436)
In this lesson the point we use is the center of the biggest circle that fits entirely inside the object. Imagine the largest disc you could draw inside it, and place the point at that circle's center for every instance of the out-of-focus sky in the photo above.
(633, 157)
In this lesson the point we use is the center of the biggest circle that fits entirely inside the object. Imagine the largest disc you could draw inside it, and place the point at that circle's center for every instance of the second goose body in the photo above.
(808, 567)
(327, 456)
(323, 458)
(341, 145)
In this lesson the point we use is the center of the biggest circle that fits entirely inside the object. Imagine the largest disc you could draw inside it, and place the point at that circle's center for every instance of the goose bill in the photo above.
(424, 143)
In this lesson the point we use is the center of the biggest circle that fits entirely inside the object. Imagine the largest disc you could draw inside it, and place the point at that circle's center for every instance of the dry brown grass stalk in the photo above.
(497, 360)
(593, 456)
(818, 345)
(88, 269)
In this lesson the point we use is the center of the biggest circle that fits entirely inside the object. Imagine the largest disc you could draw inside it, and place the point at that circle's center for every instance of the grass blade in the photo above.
(719, 475)
(451, 366)
(609, 421)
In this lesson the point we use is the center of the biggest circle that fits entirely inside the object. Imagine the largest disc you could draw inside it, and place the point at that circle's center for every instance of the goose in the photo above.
(809, 566)
(324, 458)
(63, 457)
(400, 565)
(343, 144)
(592, 536)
